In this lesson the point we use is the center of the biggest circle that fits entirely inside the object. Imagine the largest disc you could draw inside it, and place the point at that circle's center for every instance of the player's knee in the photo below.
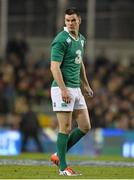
(66, 129)
(86, 128)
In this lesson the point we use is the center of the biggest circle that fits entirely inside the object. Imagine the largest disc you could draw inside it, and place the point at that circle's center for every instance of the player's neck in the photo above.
(74, 34)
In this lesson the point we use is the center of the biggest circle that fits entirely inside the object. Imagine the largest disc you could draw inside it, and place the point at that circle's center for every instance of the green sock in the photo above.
(74, 137)
(61, 149)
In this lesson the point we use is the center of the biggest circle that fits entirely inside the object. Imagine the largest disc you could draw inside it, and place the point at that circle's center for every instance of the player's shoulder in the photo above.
(61, 36)
(82, 37)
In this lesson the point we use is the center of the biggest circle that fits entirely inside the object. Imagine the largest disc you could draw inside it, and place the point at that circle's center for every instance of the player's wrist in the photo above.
(63, 88)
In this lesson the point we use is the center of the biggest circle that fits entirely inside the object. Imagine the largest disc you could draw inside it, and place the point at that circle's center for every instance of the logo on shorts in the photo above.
(54, 104)
(64, 104)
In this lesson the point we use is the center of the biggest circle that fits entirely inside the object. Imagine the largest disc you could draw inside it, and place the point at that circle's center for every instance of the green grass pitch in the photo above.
(51, 172)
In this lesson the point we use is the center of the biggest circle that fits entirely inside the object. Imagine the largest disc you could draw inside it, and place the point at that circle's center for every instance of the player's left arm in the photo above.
(86, 89)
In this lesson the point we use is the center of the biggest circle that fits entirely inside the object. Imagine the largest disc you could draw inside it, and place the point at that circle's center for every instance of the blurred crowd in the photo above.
(26, 80)
(113, 102)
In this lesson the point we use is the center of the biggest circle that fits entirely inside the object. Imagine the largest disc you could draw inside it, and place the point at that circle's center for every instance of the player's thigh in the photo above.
(64, 121)
(83, 119)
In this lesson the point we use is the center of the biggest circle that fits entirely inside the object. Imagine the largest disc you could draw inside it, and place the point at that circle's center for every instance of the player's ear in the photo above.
(64, 22)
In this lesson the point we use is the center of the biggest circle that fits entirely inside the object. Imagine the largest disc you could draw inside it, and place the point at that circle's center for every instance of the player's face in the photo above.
(72, 22)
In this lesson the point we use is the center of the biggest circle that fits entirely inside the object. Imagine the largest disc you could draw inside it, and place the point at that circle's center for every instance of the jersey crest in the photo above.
(82, 43)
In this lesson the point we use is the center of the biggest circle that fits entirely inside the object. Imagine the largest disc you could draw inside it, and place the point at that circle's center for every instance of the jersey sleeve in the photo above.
(58, 49)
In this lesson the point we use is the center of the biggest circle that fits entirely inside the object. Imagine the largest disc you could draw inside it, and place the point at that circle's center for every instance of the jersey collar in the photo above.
(65, 29)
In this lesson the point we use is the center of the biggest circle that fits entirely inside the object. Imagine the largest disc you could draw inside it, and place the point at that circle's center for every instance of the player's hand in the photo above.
(88, 91)
(65, 95)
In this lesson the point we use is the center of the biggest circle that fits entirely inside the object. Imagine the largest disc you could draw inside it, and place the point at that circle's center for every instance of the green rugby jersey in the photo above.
(69, 52)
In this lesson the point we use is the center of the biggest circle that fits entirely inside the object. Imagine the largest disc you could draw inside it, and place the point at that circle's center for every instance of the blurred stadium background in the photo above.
(26, 31)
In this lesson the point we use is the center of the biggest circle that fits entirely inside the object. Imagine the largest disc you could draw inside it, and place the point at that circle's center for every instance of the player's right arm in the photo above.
(57, 56)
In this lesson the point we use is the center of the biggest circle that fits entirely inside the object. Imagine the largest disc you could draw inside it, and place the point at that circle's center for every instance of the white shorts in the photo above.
(77, 100)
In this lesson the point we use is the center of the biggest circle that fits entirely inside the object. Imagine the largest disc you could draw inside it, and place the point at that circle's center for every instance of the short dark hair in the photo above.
(72, 10)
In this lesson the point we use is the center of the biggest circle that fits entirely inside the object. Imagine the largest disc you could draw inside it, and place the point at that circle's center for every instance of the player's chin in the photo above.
(71, 29)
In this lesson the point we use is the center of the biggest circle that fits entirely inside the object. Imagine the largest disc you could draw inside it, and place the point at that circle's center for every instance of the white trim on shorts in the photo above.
(77, 100)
